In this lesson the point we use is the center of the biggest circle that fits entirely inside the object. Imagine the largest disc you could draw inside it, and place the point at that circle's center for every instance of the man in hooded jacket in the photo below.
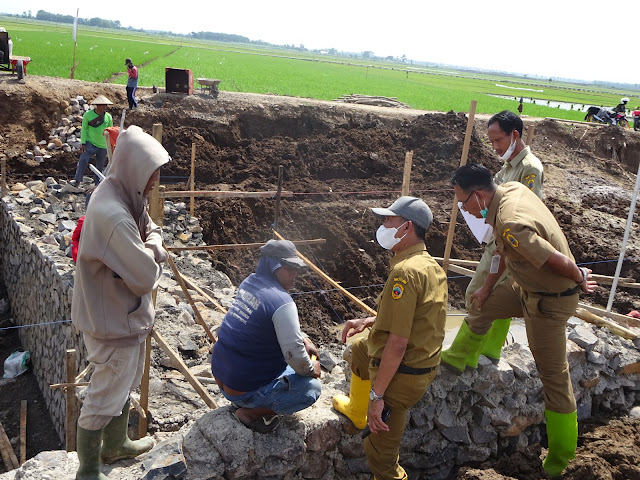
(117, 269)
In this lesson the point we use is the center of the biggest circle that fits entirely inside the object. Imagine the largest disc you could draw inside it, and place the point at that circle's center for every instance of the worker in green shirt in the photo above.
(94, 123)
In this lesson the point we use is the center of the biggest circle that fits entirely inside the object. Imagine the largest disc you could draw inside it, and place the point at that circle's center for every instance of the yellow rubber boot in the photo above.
(355, 406)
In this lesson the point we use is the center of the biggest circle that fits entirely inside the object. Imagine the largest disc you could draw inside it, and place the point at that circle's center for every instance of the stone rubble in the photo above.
(495, 409)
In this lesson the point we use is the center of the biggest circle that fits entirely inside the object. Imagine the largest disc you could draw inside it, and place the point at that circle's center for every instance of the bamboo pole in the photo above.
(179, 364)
(193, 178)
(278, 197)
(530, 130)
(23, 431)
(328, 279)
(603, 322)
(144, 390)
(238, 246)
(406, 176)
(463, 161)
(191, 283)
(71, 410)
(6, 451)
(223, 194)
(185, 290)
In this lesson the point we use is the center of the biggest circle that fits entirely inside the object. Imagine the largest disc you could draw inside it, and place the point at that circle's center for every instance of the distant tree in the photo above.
(390, 58)
(332, 51)
(403, 58)
(367, 54)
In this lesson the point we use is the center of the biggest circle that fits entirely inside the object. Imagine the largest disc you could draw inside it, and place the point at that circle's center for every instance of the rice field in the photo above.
(100, 57)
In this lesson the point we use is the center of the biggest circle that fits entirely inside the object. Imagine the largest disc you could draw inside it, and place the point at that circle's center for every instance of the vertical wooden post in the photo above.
(408, 161)
(3, 175)
(71, 402)
(278, 195)
(192, 187)
(463, 161)
(23, 431)
(530, 130)
(156, 213)
(144, 389)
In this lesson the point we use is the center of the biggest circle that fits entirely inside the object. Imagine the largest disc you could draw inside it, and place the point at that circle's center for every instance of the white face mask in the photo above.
(509, 152)
(387, 236)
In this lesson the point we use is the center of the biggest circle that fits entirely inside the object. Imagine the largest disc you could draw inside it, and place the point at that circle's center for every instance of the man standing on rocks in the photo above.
(117, 269)
(545, 292)
(485, 329)
(392, 367)
(261, 361)
(94, 123)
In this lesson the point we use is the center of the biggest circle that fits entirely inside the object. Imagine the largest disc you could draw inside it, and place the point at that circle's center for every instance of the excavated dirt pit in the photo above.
(339, 160)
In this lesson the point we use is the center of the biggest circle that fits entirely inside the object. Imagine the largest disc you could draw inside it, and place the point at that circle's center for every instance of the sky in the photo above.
(583, 40)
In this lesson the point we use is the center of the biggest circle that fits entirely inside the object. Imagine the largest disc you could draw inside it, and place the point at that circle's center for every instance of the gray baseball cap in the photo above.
(283, 250)
(411, 208)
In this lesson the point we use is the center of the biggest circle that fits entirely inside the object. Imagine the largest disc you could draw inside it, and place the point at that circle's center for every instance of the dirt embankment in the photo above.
(340, 160)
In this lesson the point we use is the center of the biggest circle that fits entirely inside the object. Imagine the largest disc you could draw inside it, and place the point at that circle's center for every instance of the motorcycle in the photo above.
(604, 115)
(636, 120)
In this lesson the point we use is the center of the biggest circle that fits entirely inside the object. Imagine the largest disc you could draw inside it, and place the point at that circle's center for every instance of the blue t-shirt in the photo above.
(247, 354)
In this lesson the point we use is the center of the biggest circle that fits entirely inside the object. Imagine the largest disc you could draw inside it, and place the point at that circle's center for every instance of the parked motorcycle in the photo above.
(636, 120)
(604, 115)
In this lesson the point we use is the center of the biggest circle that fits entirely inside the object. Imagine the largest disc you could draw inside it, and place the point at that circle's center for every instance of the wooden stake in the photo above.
(238, 246)
(179, 364)
(23, 431)
(328, 279)
(408, 161)
(156, 210)
(71, 410)
(134, 403)
(6, 451)
(3, 175)
(603, 322)
(621, 319)
(530, 130)
(278, 196)
(193, 178)
(144, 390)
(195, 287)
(463, 161)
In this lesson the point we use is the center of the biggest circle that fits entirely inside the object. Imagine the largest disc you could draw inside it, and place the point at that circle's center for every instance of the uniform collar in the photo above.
(493, 206)
(519, 157)
(401, 255)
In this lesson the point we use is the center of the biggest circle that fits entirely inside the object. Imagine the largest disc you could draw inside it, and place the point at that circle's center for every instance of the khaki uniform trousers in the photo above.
(404, 391)
(118, 371)
(545, 320)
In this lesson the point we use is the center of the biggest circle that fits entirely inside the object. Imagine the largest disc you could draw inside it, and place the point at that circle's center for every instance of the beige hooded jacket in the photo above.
(120, 248)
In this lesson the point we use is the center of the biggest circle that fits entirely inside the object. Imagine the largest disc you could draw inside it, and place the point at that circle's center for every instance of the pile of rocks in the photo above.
(65, 137)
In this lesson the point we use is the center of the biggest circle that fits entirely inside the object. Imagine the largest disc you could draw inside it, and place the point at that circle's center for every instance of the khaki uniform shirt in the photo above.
(528, 234)
(412, 305)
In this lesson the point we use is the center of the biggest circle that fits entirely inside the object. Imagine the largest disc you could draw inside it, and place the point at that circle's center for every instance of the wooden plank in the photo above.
(69, 385)
(331, 281)
(530, 130)
(71, 403)
(185, 290)
(138, 408)
(587, 316)
(84, 372)
(6, 451)
(191, 283)
(144, 390)
(23, 431)
(223, 194)
(3, 175)
(463, 161)
(238, 246)
(276, 216)
(193, 178)
(622, 319)
(179, 364)
(406, 176)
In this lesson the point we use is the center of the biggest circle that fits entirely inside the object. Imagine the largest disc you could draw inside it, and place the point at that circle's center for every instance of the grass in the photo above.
(100, 55)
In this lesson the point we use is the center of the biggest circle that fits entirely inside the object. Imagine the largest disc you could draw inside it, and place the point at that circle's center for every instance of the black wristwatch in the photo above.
(374, 397)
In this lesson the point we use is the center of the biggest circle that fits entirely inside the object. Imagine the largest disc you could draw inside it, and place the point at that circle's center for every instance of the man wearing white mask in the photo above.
(485, 329)
(392, 368)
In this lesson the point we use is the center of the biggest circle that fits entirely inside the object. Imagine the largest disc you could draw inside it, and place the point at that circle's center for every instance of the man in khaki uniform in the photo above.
(393, 367)
(484, 294)
(545, 292)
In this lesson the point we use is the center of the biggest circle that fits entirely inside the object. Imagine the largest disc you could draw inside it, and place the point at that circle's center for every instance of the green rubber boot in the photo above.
(116, 444)
(465, 349)
(562, 434)
(355, 406)
(88, 447)
(495, 338)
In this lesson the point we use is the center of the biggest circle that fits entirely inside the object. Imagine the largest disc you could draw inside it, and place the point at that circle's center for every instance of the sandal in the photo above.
(262, 424)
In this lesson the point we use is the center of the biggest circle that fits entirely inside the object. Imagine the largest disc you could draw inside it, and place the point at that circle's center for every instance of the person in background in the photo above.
(132, 83)
(118, 266)
(396, 363)
(262, 362)
(545, 290)
(520, 106)
(485, 329)
(94, 122)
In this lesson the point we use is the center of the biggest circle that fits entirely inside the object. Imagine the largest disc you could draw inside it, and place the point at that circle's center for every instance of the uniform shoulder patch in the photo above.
(513, 241)
(400, 279)
(397, 291)
(530, 181)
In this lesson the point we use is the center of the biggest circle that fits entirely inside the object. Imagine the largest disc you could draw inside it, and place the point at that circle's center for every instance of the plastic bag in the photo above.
(16, 364)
